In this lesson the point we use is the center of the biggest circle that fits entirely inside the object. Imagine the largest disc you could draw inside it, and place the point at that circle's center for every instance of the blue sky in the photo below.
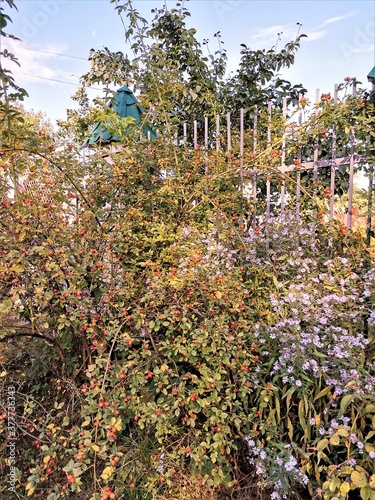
(58, 34)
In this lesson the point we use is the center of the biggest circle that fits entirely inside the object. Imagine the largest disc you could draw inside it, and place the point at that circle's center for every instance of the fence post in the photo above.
(351, 181)
(184, 131)
(242, 120)
(299, 158)
(195, 134)
(333, 158)
(283, 154)
(351, 170)
(316, 147)
(206, 143)
(269, 138)
(229, 144)
(315, 160)
(206, 132)
(217, 133)
(370, 192)
(255, 149)
(369, 205)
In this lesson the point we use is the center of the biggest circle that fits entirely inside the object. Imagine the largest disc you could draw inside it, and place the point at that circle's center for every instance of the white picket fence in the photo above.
(214, 136)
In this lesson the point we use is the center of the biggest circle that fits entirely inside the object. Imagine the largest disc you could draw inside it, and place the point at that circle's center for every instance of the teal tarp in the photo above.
(125, 104)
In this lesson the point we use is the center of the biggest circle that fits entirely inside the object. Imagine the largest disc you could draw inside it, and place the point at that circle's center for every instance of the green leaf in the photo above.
(5, 306)
(290, 428)
(3, 21)
(322, 444)
(345, 402)
(367, 493)
(18, 268)
(370, 408)
(323, 392)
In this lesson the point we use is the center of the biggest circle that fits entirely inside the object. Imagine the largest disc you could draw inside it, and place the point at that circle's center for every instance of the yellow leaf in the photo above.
(335, 440)
(372, 482)
(118, 425)
(345, 487)
(107, 472)
(3, 374)
(46, 459)
(358, 479)
(343, 432)
(95, 447)
(218, 294)
(29, 485)
(31, 491)
(85, 423)
(164, 368)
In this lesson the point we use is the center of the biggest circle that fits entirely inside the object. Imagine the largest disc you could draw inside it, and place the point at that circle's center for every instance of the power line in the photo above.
(54, 80)
(45, 78)
(48, 52)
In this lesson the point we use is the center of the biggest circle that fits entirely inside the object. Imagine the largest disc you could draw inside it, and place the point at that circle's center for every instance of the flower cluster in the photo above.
(268, 463)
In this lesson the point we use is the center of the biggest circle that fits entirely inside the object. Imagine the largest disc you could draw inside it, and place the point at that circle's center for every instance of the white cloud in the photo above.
(287, 32)
(272, 31)
(315, 35)
(363, 49)
(270, 36)
(36, 65)
(337, 18)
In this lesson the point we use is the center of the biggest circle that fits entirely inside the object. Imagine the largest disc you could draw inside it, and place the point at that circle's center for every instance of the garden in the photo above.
(162, 336)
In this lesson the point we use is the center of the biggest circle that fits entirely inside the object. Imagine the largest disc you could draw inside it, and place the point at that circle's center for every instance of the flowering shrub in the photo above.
(153, 348)
(179, 343)
(316, 386)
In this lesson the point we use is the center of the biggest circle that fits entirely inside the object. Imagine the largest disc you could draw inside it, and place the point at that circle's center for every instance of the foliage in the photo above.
(153, 343)
(10, 92)
(179, 78)
(170, 332)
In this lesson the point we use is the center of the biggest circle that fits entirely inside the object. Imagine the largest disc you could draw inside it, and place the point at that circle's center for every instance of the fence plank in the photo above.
(229, 142)
(206, 144)
(283, 155)
(333, 160)
(255, 151)
(217, 133)
(244, 147)
(206, 132)
(369, 205)
(269, 139)
(333, 172)
(299, 159)
(184, 131)
(242, 122)
(309, 165)
(316, 147)
(351, 181)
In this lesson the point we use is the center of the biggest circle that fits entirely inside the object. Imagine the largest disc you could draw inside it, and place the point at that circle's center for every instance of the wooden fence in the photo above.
(231, 137)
